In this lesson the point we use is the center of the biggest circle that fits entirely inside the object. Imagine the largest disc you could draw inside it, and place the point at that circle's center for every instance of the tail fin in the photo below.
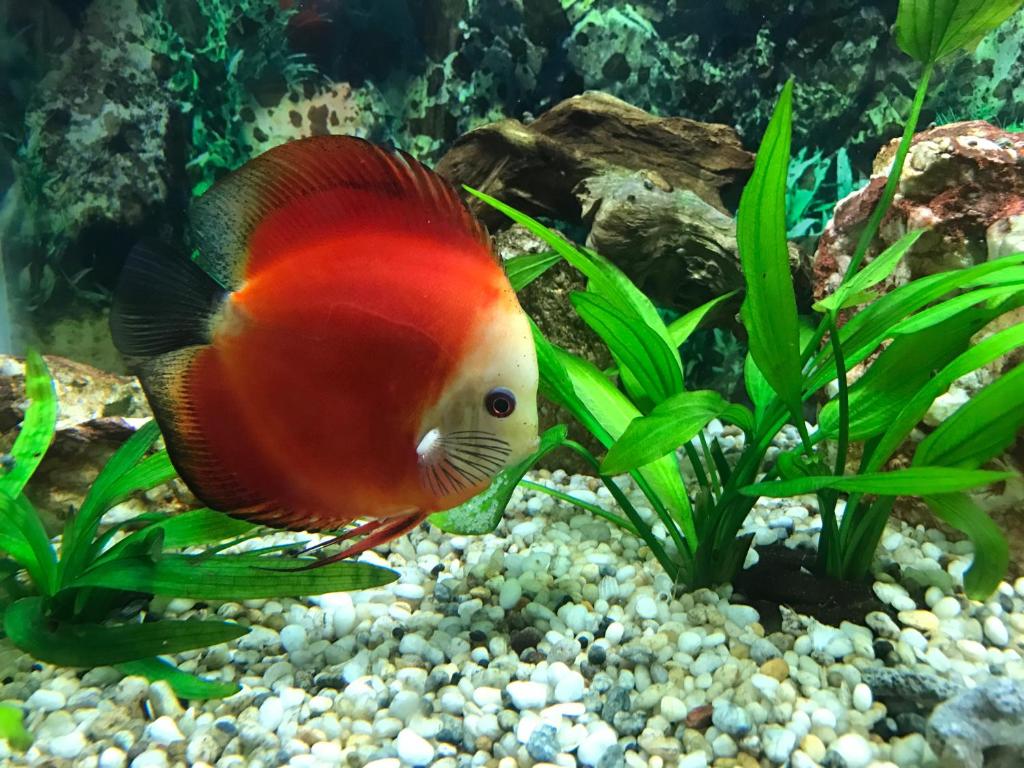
(164, 301)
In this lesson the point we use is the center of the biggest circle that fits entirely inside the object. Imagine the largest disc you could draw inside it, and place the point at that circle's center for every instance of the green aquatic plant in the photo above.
(926, 342)
(220, 54)
(812, 194)
(77, 605)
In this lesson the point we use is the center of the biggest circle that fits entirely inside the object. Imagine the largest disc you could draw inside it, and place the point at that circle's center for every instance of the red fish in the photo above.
(345, 346)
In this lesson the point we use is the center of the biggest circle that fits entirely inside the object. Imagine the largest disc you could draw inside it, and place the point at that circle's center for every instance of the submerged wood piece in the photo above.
(537, 167)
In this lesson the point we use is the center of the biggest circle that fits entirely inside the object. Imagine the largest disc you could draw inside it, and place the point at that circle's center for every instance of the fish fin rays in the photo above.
(163, 302)
(180, 407)
(299, 191)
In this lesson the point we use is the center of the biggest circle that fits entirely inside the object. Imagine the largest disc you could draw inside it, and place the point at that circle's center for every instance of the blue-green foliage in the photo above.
(812, 191)
(220, 52)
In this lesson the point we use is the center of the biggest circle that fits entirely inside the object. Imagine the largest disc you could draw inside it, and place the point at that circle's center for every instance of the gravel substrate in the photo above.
(554, 641)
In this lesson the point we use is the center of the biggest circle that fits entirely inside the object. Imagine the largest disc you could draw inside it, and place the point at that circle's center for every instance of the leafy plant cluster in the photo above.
(812, 193)
(56, 603)
(220, 52)
(915, 341)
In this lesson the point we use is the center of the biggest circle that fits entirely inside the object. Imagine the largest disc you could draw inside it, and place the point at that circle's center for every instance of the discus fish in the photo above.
(344, 346)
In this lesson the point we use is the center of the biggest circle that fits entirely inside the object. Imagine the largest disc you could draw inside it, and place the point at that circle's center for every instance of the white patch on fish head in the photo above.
(486, 418)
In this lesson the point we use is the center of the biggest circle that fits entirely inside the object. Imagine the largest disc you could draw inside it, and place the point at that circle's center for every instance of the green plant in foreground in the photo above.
(926, 338)
(58, 606)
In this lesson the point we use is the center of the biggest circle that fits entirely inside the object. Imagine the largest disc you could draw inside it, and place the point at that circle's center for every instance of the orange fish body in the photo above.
(368, 359)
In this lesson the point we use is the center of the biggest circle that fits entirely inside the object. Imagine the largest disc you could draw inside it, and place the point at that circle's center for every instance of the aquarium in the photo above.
(501, 383)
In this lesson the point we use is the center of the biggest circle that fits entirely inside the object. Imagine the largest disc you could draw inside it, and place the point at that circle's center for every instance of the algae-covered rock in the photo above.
(982, 726)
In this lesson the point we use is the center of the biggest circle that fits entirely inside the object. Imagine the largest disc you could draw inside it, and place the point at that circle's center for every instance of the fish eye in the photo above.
(500, 403)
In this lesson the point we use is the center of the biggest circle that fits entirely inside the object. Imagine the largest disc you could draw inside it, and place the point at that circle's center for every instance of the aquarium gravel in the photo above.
(553, 641)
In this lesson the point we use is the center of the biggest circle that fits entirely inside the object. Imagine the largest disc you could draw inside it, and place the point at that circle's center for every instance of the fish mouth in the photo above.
(457, 462)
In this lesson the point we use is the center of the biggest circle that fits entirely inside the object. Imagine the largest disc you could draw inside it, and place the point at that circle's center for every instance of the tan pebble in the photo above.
(740, 651)
(814, 747)
(757, 629)
(776, 668)
(926, 621)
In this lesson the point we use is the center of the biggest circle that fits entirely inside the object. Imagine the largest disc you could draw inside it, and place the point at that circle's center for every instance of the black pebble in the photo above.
(597, 655)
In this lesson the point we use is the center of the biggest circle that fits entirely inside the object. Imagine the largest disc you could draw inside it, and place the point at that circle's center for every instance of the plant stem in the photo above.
(716, 484)
(843, 442)
(591, 508)
(698, 467)
(643, 530)
(869, 232)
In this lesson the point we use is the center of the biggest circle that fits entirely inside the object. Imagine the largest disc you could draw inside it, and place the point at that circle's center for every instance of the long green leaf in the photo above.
(523, 270)
(902, 369)
(947, 309)
(81, 528)
(991, 552)
(672, 423)
(915, 481)
(483, 512)
(185, 685)
(95, 645)
(680, 329)
(23, 537)
(913, 411)
(928, 30)
(769, 311)
(981, 429)
(232, 577)
(634, 346)
(37, 428)
(147, 474)
(872, 325)
(853, 291)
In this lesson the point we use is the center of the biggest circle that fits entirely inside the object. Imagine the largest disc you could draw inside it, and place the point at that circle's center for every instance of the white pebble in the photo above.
(112, 757)
(646, 607)
(271, 713)
(164, 731)
(293, 638)
(862, 697)
(343, 613)
(947, 608)
(597, 741)
(46, 700)
(412, 748)
(778, 743)
(673, 709)
(510, 593)
(853, 749)
(526, 694)
(69, 746)
(616, 630)
(996, 631)
(569, 687)
(151, 758)
(487, 698)
(412, 592)
(693, 760)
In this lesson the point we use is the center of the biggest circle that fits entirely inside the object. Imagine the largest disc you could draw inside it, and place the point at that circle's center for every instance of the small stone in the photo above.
(510, 593)
(814, 747)
(673, 709)
(778, 743)
(995, 631)
(411, 592)
(543, 743)
(293, 638)
(615, 632)
(776, 668)
(569, 687)
(271, 713)
(699, 718)
(646, 607)
(527, 694)
(694, 760)
(947, 608)
(69, 746)
(862, 698)
(112, 757)
(164, 701)
(731, 719)
(46, 700)
(164, 731)
(413, 749)
(926, 621)
(853, 749)
(151, 758)
(597, 742)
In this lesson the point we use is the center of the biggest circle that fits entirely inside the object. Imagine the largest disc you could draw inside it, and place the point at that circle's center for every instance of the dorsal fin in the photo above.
(300, 191)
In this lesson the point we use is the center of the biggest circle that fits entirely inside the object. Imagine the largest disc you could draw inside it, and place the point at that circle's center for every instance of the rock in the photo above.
(851, 750)
(988, 717)
(413, 749)
(543, 743)
(98, 157)
(908, 686)
(963, 182)
(527, 694)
